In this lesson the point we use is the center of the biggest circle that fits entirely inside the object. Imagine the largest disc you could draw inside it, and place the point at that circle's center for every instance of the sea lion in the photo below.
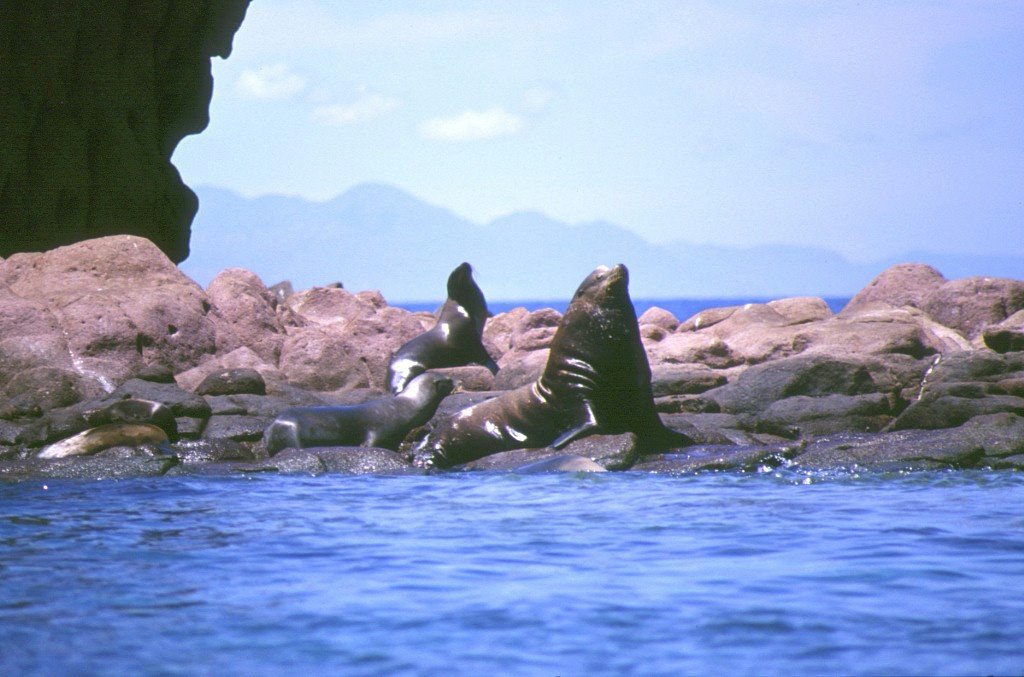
(105, 436)
(597, 379)
(380, 423)
(133, 410)
(453, 341)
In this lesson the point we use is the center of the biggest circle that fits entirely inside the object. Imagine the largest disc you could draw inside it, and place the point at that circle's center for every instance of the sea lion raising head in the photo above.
(597, 379)
(453, 341)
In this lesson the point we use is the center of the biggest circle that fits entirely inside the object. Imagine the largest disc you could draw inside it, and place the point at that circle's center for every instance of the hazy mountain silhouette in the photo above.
(379, 237)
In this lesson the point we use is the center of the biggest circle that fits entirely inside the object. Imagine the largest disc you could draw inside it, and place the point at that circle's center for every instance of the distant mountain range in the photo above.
(379, 237)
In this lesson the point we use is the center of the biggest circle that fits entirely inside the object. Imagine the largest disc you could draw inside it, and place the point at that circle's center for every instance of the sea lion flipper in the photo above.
(575, 433)
(585, 427)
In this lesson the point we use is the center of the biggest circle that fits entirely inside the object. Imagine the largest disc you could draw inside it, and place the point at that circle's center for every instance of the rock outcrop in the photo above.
(111, 326)
(94, 98)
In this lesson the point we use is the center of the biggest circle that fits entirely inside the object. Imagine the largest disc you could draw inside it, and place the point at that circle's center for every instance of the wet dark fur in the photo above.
(453, 341)
(597, 379)
(380, 423)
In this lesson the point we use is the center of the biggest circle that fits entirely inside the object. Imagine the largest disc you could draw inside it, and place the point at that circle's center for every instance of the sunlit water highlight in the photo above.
(620, 573)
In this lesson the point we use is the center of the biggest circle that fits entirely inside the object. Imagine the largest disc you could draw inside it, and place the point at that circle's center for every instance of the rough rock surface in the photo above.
(1007, 336)
(245, 314)
(94, 98)
(104, 309)
(972, 304)
(785, 383)
(906, 284)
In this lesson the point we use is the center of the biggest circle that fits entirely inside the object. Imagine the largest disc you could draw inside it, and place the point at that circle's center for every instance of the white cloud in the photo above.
(270, 83)
(367, 107)
(472, 125)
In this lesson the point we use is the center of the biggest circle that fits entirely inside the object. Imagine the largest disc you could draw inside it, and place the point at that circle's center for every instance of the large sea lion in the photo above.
(453, 341)
(597, 379)
(380, 423)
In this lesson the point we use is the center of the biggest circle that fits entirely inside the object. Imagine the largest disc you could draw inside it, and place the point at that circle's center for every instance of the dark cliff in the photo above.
(94, 97)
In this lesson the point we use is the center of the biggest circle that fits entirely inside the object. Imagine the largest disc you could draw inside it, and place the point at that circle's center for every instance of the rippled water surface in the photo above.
(550, 574)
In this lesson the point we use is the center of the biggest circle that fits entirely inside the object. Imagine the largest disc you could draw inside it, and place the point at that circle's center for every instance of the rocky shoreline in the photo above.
(915, 372)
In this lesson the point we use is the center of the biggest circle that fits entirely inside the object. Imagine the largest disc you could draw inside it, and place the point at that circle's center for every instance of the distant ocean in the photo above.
(682, 308)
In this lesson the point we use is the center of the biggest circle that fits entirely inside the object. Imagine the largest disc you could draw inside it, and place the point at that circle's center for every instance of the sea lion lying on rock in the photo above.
(380, 423)
(597, 379)
(103, 437)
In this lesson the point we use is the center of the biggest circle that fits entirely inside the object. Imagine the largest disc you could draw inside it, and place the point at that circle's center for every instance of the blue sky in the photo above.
(870, 128)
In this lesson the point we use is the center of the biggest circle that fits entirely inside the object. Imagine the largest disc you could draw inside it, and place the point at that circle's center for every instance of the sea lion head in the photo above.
(429, 387)
(598, 338)
(600, 309)
(463, 290)
(605, 287)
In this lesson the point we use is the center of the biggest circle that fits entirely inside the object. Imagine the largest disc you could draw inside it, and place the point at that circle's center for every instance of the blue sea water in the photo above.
(682, 308)
(610, 574)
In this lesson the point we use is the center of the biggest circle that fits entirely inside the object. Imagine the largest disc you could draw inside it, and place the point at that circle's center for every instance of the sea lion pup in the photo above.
(453, 341)
(597, 379)
(379, 423)
(103, 437)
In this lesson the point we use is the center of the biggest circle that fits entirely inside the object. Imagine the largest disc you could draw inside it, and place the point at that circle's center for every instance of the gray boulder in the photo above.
(826, 415)
(1006, 336)
(349, 460)
(808, 375)
(985, 441)
(239, 381)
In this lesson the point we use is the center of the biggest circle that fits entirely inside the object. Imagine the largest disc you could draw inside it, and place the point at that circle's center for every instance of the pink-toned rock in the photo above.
(426, 320)
(906, 284)
(240, 358)
(517, 368)
(658, 317)
(518, 332)
(244, 315)
(707, 318)
(375, 339)
(535, 330)
(333, 305)
(537, 338)
(497, 336)
(353, 354)
(937, 338)
(525, 337)
(693, 347)
(973, 303)
(758, 333)
(652, 333)
(799, 310)
(471, 377)
(319, 358)
(30, 337)
(120, 303)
